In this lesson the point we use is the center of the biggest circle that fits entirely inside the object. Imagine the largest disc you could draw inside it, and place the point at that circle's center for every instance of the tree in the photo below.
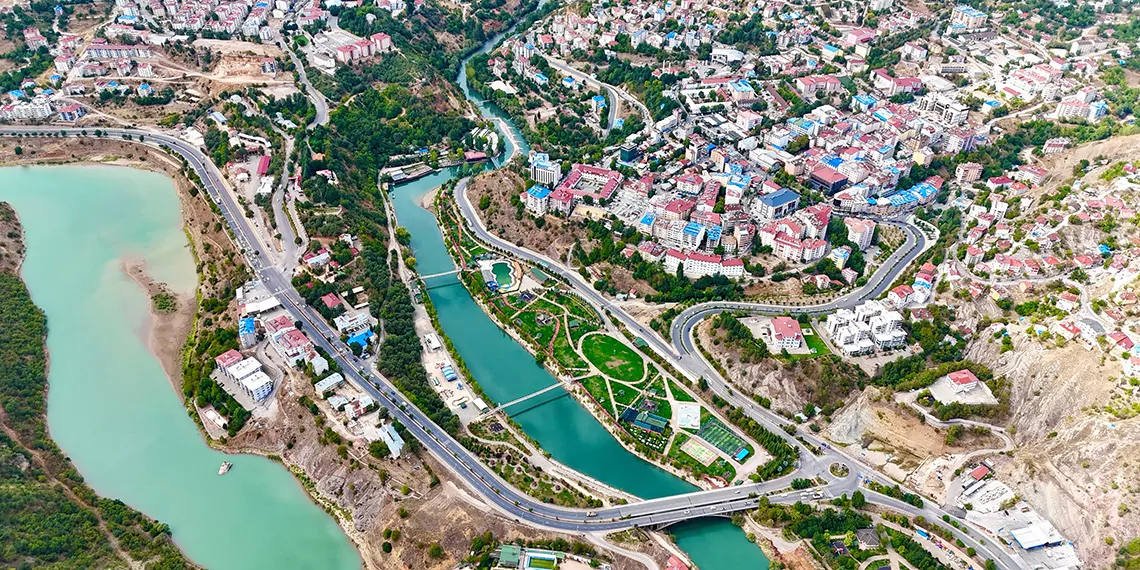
(858, 501)
(436, 551)
(19, 151)
(379, 449)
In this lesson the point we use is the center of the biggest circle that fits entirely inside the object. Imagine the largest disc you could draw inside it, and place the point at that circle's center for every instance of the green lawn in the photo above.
(682, 460)
(565, 354)
(664, 408)
(598, 388)
(613, 358)
(583, 328)
(625, 394)
(527, 323)
(816, 343)
(679, 393)
(541, 563)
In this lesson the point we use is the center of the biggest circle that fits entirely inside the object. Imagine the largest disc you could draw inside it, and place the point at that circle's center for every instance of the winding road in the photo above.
(513, 503)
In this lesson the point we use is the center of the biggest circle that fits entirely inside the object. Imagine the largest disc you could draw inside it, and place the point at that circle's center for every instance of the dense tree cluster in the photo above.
(401, 353)
(41, 525)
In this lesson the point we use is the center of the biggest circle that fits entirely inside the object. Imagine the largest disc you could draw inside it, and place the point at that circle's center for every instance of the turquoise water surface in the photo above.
(111, 407)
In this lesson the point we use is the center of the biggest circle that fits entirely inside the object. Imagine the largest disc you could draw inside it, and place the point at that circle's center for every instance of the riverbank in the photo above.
(170, 320)
(555, 368)
(42, 495)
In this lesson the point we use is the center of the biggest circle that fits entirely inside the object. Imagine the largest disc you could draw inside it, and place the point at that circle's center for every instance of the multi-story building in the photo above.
(537, 200)
(778, 204)
(867, 328)
(543, 170)
(968, 17)
(860, 232)
(946, 110)
(968, 172)
(786, 333)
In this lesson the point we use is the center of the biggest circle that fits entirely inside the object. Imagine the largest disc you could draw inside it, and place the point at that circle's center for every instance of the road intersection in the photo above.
(480, 478)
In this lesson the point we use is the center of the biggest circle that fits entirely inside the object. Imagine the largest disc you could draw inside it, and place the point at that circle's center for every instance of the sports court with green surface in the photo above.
(721, 437)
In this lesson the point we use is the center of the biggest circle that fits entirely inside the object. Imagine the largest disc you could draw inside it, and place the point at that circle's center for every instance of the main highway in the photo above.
(649, 513)
(480, 478)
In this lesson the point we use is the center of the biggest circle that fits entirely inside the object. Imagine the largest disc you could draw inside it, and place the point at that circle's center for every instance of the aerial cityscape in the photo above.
(636, 284)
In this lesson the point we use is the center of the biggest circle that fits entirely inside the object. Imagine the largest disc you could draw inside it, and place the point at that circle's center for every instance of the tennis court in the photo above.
(699, 451)
(721, 437)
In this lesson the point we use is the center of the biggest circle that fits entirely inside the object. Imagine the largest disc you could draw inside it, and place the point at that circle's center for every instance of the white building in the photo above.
(544, 171)
(867, 328)
(860, 232)
(786, 333)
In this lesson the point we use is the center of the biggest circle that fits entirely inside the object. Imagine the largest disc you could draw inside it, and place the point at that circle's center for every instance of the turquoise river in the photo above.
(110, 405)
(113, 410)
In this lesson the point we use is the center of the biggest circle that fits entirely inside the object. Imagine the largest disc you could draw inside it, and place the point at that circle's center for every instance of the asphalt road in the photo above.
(651, 513)
(448, 450)
(615, 93)
(686, 357)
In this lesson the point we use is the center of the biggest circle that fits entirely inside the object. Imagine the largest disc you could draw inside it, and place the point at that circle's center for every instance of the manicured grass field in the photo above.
(681, 460)
(527, 322)
(565, 354)
(625, 395)
(597, 387)
(816, 343)
(679, 393)
(540, 563)
(663, 409)
(613, 358)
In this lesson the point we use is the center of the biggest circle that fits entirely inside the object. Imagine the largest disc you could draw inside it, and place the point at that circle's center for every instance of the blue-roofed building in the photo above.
(776, 205)
(598, 102)
(537, 199)
(392, 439)
(17, 94)
(646, 224)
(541, 79)
(569, 82)
(863, 102)
(543, 170)
(742, 90)
(619, 123)
(247, 332)
(712, 236)
(692, 235)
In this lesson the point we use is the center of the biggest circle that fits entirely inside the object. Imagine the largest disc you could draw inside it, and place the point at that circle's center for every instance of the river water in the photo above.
(111, 407)
(507, 371)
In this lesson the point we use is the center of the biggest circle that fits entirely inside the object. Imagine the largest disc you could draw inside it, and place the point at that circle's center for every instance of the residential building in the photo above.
(786, 333)
(537, 200)
(963, 380)
(775, 205)
(860, 232)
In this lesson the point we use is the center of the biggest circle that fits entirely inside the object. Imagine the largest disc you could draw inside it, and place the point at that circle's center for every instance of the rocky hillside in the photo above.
(1074, 462)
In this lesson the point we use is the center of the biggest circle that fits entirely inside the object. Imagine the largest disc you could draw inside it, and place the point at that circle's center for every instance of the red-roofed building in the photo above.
(675, 563)
(1122, 340)
(786, 333)
(228, 358)
(899, 296)
(591, 181)
(980, 472)
(331, 300)
(963, 380)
